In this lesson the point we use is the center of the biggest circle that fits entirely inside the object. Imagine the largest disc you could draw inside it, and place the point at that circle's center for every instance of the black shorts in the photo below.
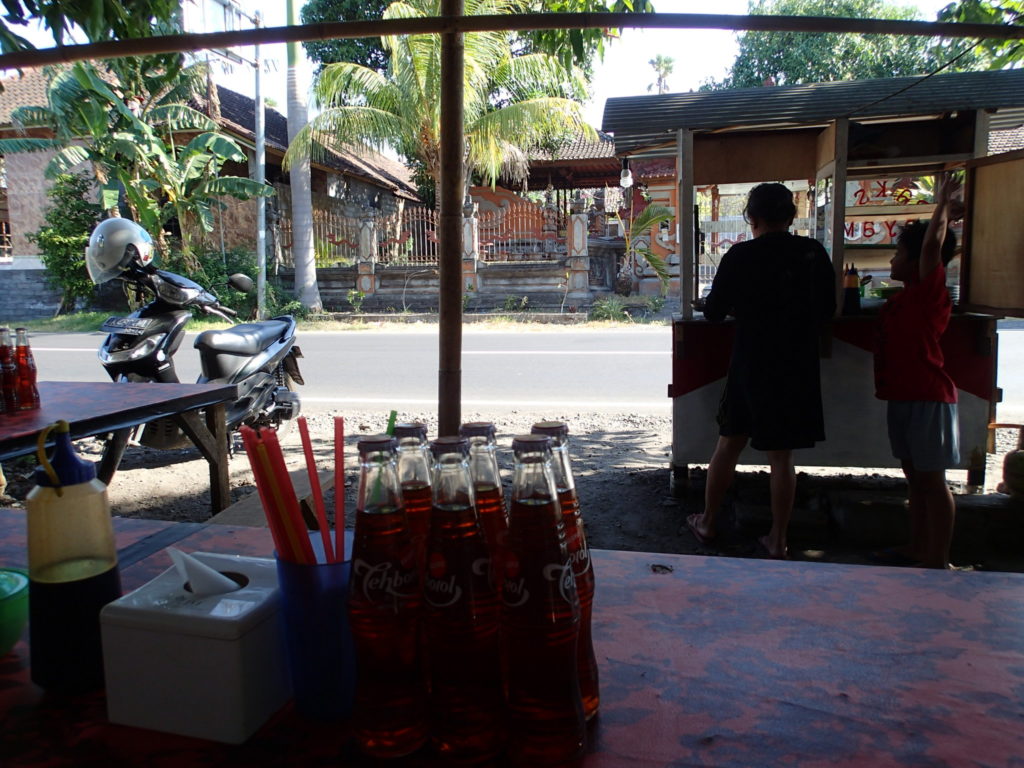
(771, 426)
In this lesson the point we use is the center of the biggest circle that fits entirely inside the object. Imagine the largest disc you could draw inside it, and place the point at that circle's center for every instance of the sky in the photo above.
(698, 55)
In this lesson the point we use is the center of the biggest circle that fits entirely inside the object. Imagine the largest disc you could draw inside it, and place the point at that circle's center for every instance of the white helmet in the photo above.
(114, 244)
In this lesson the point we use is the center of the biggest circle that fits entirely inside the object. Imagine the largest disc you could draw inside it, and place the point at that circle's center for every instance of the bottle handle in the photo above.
(61, 426)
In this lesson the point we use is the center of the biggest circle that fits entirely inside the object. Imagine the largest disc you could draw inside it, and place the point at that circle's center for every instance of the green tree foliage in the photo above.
(512, 103)
(995, 54)
(98, 19)
(63, 237)
(573, 47)
(663, 66)
(366, 51)
(788, 58)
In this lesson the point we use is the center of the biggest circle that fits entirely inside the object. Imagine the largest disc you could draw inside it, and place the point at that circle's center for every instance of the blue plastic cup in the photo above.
(321, 656)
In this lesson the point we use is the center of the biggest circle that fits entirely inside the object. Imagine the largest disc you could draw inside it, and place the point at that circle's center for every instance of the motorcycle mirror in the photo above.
(241, 282)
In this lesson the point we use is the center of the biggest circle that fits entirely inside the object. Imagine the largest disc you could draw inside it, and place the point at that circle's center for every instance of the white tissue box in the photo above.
(211, 667)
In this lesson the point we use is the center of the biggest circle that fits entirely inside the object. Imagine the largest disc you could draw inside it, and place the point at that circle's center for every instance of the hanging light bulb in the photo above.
(626, 177)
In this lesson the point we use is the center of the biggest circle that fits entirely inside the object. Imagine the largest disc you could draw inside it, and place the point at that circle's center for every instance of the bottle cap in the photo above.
(411, 429)
(376, 443)
(478, 429)
(445, 445)
(531, 443)
(557, 429)
(65, 467)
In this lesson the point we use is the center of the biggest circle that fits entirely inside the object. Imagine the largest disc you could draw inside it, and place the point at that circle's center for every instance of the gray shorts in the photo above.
(926, 434)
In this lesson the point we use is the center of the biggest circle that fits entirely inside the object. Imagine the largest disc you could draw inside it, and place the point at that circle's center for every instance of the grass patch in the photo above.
(89, 322)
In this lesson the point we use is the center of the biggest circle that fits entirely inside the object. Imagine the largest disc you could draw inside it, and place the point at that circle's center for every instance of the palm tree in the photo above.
(512, 103)
(306, 288)
(663, 66)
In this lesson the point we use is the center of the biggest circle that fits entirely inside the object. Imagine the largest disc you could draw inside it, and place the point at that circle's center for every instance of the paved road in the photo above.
(614, 370)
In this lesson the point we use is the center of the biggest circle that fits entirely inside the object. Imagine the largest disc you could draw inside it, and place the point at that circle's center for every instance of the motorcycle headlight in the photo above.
(137, 352)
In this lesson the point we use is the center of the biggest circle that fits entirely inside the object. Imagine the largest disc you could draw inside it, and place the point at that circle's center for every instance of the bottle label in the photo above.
(579, 552)
(383, 580)
(562, 575)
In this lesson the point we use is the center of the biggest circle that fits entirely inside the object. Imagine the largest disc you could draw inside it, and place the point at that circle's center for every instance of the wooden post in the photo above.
(449, 392)
(684, 219)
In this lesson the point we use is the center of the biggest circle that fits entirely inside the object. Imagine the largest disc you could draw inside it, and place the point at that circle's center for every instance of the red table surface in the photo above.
(703, 661)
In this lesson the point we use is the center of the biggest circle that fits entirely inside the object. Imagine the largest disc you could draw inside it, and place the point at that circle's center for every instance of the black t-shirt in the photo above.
(780, 288)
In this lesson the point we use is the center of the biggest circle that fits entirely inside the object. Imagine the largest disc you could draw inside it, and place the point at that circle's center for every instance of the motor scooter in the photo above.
(260, 358)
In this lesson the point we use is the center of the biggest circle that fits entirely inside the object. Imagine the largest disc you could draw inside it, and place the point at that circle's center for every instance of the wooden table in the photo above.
(703, 662)
(93, 408)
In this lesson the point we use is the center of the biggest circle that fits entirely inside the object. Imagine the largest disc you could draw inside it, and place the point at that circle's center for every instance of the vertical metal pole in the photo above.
(261, 177)
(449, 398)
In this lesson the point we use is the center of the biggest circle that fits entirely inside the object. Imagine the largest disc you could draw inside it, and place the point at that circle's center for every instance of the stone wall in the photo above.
(25, 294)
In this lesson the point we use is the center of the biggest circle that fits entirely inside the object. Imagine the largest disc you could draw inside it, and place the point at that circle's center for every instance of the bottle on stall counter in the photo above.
(28, 392)
(851, 291)
(72, 563)
(414, 466)
(579, 554)
(490, 497)
(540, 618)
(461, 616)
(8, 371)
(389, 716)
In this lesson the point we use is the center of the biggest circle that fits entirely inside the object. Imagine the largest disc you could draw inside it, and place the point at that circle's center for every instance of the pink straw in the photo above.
(339, 489)
(274, 522)
(314, 486)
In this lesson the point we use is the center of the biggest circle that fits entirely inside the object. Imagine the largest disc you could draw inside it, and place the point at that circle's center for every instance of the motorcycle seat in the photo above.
(244, 339)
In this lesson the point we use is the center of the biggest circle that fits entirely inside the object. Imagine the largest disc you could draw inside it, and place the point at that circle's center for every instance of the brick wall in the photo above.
(26, 198)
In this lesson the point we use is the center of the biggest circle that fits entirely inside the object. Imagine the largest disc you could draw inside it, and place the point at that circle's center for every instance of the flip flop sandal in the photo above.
(702, 539)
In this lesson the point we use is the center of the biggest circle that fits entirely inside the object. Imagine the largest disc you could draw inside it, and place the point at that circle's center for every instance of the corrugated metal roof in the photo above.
(643, 121)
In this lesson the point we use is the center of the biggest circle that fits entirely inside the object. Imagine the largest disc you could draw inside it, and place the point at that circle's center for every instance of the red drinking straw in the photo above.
(339, 489)
(251, 440)
(289, 504)
(314, 486)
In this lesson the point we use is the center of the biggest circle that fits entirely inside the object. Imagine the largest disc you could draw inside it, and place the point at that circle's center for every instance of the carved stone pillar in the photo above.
(470, 246)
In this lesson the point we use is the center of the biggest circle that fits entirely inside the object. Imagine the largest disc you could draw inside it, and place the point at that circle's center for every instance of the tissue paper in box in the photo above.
(211, 667)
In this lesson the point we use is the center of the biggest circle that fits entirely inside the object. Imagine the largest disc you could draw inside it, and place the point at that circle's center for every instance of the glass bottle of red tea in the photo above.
(385, 600)
(25, 364)
(540, 618)
(579, 554)
(490, 497)
(414, 467)
(461, 617)
(8, 371)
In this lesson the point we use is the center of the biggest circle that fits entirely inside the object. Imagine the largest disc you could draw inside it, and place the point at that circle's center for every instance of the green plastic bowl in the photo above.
(887, 291)
(13, 607)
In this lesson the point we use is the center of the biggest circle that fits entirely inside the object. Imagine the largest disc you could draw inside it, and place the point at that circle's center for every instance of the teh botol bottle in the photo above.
(28, 393)
(540, 618)
(414, 466)
(8, 371)
(490, 497)
(385, 598)
(72, 563)
(461, 615)
(579, 554)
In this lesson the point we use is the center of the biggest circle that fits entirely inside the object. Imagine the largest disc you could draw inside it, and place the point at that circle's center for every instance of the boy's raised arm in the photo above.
(931, 248)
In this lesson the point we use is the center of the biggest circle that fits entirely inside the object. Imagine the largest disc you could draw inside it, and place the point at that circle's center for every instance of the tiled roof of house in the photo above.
(582, 148)
(25, 90)
(237, 112)
(1006, 141)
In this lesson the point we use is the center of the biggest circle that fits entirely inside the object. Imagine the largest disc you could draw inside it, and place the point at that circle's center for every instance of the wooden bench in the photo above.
(249, 509)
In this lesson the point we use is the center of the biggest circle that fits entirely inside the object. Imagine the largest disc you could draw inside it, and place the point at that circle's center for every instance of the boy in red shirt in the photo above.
(909, 373)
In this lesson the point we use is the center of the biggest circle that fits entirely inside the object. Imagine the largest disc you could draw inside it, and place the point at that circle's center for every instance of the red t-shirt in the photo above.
(908, 360)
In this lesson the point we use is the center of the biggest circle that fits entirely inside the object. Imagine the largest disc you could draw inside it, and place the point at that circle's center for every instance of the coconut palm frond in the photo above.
(539, 74)
(340, 129)
(66, 160)
(28, 144)
(656, 263)
(344, 83)
(31, 117)
(180, 117)
(234, 186)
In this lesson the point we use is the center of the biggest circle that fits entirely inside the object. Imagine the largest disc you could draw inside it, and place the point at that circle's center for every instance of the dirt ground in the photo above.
(620, 462)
